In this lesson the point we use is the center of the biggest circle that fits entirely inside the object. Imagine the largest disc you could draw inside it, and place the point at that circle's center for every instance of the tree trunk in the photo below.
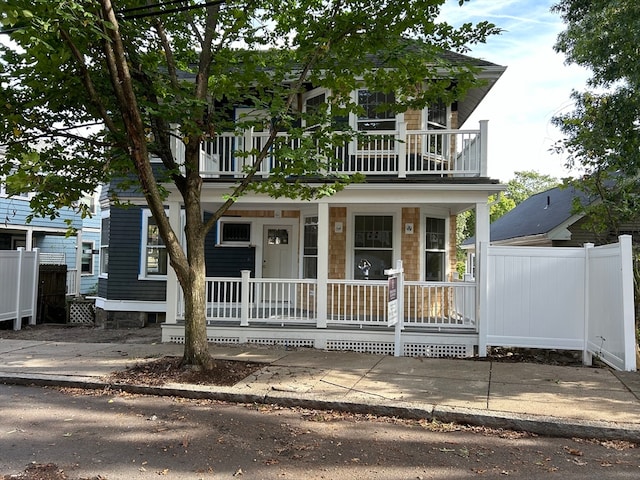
(196, 348)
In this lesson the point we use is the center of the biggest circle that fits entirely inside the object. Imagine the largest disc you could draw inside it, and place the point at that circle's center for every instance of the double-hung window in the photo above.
(310, 249)
(377, 113)
(435, 253)
(437, 119)
(373, 246)
(154, 251)
(86, 265)
(104, 260)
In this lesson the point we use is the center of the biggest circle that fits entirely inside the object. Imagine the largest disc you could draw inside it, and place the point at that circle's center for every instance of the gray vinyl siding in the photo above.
(122, 230)
(124, 260)
(227, 261)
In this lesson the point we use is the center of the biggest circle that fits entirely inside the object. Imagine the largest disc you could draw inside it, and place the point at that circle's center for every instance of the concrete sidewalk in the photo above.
(543, 399)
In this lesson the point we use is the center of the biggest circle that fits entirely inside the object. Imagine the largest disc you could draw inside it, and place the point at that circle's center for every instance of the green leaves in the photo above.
(602, 134)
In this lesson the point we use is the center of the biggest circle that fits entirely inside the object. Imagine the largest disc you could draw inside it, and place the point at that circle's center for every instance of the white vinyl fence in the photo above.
(562, 298)
(18, 286)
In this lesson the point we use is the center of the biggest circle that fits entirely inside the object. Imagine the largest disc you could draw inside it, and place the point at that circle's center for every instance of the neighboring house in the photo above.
(50, 237)
(305, 273)
(547, 219)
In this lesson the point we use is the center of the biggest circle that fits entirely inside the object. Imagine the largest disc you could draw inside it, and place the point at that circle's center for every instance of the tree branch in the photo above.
(123, 86)
(88, 83)
(246, 181)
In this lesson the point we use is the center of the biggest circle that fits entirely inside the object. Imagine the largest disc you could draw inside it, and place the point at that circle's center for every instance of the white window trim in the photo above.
(22, 196)
(244, 220)
(396, 213)
(146, 214)
(102, 274)
(425, 118)
(303, 223)
(93, 263)
(144, 226)
(423, 246)
(355, 118)
(315, 92)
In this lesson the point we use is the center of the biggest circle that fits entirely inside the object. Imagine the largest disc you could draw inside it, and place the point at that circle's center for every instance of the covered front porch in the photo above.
(319, 295)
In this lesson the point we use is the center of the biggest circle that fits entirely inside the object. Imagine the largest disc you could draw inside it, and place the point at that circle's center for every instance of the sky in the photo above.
(535, 87)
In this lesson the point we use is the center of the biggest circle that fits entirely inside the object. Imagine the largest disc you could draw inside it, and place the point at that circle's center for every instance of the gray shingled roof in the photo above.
(488, 71)
(537, 215)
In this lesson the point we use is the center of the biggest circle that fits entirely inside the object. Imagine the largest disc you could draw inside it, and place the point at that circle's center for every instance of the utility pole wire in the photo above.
(125, 16)
(165, 12)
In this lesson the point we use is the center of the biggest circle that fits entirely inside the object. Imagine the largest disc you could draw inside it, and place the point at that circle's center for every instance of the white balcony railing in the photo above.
(401, 153)
(244, 301)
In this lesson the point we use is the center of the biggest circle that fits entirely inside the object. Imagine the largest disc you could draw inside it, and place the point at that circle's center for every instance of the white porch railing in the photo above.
(442, 305)
(244, 301)
(395, 152)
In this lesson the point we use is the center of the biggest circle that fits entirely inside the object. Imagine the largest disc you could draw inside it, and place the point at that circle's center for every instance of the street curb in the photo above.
(538, 424)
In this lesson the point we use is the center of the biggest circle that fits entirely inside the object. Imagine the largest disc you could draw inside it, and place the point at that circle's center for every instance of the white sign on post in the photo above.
(395, 309)
(392, 305)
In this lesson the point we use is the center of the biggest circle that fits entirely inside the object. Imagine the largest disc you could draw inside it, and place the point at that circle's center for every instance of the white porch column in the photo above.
(482, 243)
(323, 264)
(171, 299)
(484, 137)
(402, 150)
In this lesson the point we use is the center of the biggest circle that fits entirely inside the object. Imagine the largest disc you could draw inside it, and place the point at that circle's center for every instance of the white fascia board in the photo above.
(561, 232)
(539, 240)
(130, 305)
(372, 193)
(24, 228)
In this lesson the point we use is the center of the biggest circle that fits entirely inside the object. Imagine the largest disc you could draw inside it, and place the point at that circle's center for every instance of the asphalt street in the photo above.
(122, 436)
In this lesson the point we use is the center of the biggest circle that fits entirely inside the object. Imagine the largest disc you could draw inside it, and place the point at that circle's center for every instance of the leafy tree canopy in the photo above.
(93, 89)
(524, 184)
(602, 136)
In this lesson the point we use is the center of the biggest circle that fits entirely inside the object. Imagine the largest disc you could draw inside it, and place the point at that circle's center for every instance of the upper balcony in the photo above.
(401, 153)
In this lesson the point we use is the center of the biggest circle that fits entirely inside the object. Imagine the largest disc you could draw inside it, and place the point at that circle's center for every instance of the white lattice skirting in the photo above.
(434, 345)
(81, 312)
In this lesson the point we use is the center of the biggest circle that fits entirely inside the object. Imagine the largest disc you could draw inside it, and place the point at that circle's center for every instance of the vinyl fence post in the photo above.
(17, 322)
(34, 293)
(587, 358)
(626, 258)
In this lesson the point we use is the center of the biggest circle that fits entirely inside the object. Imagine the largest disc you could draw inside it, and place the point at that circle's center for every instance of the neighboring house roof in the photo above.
(545, 216)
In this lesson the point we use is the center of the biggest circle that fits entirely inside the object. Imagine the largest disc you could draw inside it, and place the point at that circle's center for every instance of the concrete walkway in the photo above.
(544, 399)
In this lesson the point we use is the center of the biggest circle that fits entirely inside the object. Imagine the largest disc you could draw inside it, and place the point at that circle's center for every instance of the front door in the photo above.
(277, 262)
(277, 259)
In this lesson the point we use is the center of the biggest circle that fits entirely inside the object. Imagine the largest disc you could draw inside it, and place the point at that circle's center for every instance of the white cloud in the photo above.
(536, 86)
